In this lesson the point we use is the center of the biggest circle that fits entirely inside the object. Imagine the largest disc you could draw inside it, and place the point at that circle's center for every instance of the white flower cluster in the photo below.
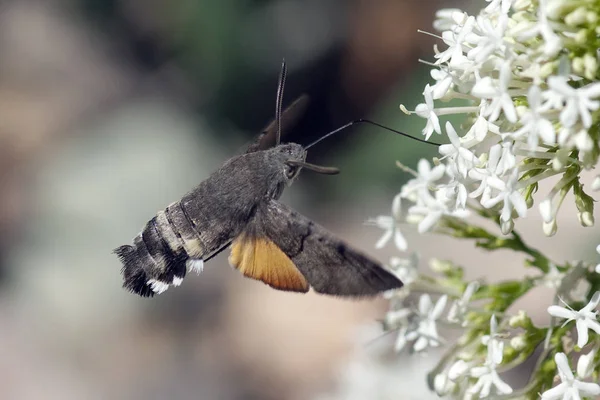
(527, 71)
(525, 74)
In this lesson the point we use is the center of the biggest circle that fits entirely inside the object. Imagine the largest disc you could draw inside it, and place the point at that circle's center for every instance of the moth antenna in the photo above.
(279, 100)
(366, 121)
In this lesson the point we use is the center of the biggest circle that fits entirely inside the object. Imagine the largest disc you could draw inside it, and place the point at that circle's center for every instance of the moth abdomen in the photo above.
(135, 278)
(162, 253)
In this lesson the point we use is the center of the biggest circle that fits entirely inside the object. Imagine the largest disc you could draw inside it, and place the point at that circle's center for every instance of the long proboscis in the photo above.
(313, 167)
(366, 121)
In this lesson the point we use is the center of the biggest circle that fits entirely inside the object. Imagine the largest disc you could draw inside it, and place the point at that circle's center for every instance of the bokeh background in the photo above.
(112, 109)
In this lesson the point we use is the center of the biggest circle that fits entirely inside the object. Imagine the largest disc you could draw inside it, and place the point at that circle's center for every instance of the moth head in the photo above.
(294, 156)
(290, 159)
(291, 156)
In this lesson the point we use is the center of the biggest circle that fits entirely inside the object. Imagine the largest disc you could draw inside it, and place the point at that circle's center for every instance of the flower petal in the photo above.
(587, 388)
(400, 241)
(425, 304)
(593, 325)
(563, 366)
(400, 340)
(555, 393)
(501, 386)
(384, 239)
(420, 344)
(457, 369)
(582, 332)
(561, 312)
(439, 307)
(429, 221)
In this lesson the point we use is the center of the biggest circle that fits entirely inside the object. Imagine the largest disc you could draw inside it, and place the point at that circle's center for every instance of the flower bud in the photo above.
(521, 4)
(440, 266)
(547, 69)
(578, 65)
(584, 204)
(556, 8)
(458, 369)
(585, 365)
(562, 155)
(586, 219)
(518, 342)
(521, 320)
(546, 210)
(596, 183)
(577, 17)
(506, 227)
(442, 385)
(529, 201)
(581, 37)
(550, 228)
(590, 66)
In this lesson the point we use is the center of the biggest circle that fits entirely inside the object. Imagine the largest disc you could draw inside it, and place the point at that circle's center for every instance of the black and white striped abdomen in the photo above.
(169, 245)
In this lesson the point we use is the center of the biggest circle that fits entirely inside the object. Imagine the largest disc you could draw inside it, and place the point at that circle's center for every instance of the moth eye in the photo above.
(290, 171)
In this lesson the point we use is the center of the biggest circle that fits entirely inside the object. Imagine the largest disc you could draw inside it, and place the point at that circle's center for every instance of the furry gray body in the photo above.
(207, 218)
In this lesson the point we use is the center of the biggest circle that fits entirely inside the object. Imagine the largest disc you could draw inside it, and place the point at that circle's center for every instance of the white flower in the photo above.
(461, 156)
(584, 319)
(535, 125)
(398, 318)
(512, 200)
(497, 91)
(487, 375)
(481, 127)
(569, 388)
(553, 278)
(443, 83)
(427, 110)
(425, 179)
(455, 39)
(424, 330)
(458, 310)
(507, 160)
(429, 210)
(574, 103)
(489, 176)
(493, 336)
(456, 191)
(552, 42)
(445, 18)
(390, 225)
(490, 39)
(405, 269)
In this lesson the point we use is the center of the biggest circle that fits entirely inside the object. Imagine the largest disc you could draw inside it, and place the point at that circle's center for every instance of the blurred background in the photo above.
(112, 109)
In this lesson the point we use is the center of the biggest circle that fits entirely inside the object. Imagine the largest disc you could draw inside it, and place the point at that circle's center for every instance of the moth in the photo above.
(237, 206)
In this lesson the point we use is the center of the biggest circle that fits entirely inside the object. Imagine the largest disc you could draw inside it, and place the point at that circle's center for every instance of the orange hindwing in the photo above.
(261, 259)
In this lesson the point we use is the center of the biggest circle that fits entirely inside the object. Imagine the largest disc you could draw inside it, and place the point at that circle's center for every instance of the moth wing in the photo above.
(328, 264)
(289, 118)
(261, 259)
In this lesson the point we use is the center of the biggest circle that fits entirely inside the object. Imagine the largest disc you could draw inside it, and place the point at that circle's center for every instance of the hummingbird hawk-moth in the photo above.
(238, 206)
